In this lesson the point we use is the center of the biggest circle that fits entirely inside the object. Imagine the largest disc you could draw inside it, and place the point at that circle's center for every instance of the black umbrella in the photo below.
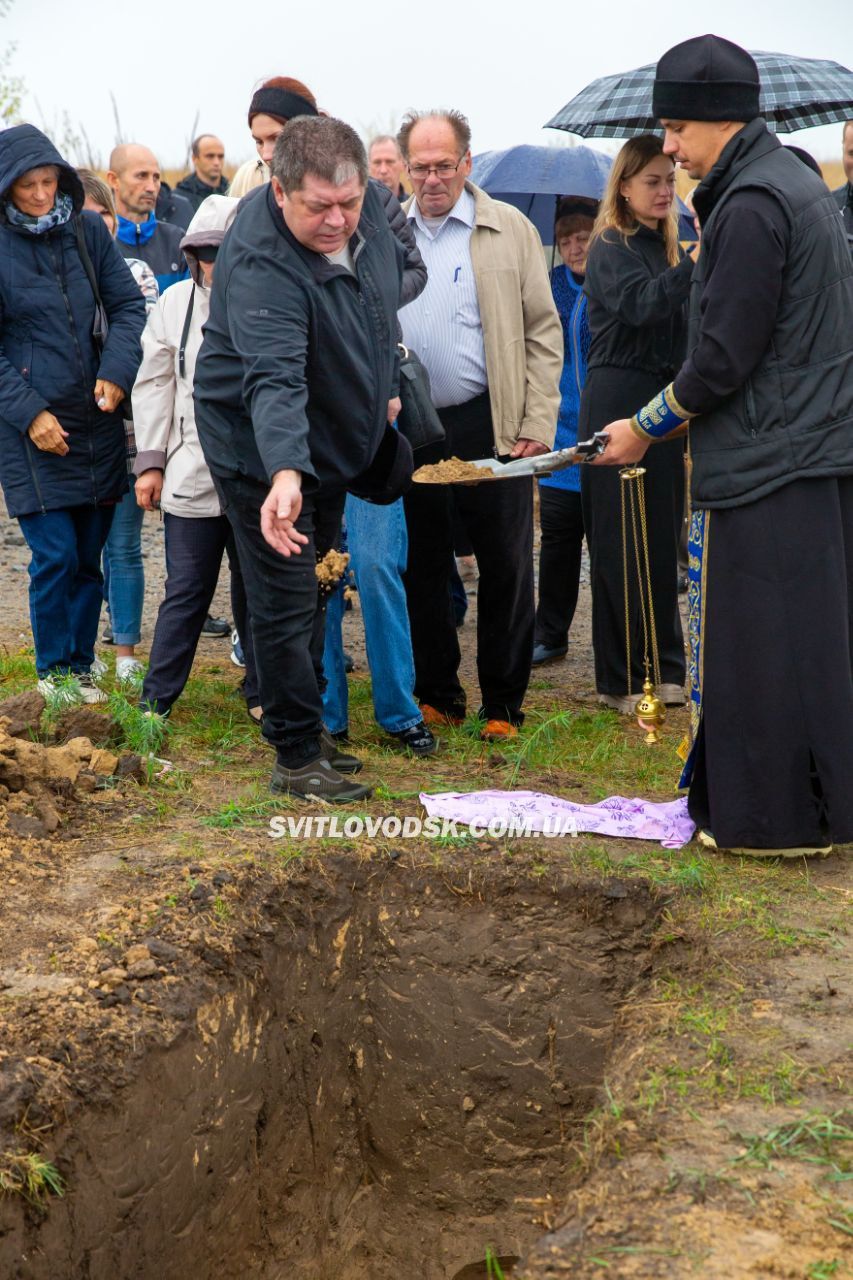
(796, 93)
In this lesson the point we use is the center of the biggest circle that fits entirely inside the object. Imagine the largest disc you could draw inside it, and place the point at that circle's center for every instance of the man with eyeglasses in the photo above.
(488, 332)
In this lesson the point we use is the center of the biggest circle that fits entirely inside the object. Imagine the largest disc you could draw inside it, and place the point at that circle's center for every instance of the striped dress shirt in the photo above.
(443, 325)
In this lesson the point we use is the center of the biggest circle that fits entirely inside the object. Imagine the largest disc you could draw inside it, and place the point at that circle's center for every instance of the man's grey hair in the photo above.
(458, 123)
(383, 137)
(322, 146)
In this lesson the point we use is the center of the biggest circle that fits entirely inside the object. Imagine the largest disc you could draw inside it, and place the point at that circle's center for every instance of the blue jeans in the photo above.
(66, 585)
(124, 578)
(378, 547)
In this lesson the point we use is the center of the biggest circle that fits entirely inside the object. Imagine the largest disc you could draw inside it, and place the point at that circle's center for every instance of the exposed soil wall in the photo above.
(384, 1090)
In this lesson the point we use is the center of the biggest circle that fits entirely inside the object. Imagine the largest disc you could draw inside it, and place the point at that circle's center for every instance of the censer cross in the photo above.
(650, 710)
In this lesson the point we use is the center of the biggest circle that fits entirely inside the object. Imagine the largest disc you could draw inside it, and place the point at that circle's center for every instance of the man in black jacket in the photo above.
(768, 392)
(207, 178)
(295, 387)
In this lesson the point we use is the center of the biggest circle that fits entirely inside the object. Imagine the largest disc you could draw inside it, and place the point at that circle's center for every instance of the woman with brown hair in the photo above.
(274, 102)
(637, 281)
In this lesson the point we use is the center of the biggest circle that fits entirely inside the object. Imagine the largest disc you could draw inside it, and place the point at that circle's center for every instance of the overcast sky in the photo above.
(509, 67)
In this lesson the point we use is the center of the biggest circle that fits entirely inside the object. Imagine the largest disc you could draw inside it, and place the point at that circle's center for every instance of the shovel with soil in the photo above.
(458, 471)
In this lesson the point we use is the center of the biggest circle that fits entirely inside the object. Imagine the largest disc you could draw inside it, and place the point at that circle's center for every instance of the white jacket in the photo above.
(163, 410)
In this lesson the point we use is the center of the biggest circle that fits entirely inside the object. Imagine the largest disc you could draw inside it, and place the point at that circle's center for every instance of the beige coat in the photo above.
(163, 408)
(522, 333)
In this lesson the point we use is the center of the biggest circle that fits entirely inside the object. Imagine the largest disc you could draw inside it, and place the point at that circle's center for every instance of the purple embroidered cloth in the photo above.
(668, 823)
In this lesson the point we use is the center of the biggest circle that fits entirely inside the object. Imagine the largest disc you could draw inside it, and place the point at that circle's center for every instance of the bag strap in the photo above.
(185, 334)
(88, 267)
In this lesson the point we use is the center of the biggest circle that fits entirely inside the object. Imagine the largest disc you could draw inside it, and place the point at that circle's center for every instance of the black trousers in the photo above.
(774, 756)
(561, 526)
(287, 613)
(664, 489)
(498, 520)
(194, 549)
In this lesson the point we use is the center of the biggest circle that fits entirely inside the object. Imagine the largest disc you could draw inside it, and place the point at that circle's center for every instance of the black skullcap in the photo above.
(281, 103)
(706, 78)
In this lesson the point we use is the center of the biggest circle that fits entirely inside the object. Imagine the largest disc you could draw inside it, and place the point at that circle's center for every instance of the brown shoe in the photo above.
(431, 716)
(498, 731)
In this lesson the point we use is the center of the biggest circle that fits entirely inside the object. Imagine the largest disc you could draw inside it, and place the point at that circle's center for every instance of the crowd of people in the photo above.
(235, 356)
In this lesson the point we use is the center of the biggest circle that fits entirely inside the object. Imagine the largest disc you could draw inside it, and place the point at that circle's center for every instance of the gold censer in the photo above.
(650, 711)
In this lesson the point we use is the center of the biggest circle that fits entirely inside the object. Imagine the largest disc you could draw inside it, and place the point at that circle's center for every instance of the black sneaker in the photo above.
(418, 740)
(341, 761)
(316, 780)
(548, 653)
(349, 662)
(107, 637)
(218, 627)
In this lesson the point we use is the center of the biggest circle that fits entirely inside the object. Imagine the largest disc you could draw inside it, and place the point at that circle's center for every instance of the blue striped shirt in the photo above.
(443, 325)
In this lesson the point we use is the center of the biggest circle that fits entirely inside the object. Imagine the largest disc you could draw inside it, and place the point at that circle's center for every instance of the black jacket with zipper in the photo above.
(299, 358)
(771, 327)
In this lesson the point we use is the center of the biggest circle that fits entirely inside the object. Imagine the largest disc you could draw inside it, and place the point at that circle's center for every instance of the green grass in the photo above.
(817, 1139)
(821, 1270)
(17, 671)
(494, 1270)
(23, 1173)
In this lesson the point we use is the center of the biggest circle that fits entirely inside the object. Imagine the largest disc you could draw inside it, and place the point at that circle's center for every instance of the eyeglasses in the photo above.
(420, 172)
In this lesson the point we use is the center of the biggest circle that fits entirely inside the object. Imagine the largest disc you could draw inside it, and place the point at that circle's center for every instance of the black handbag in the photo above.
(418, 419)
(100, 325)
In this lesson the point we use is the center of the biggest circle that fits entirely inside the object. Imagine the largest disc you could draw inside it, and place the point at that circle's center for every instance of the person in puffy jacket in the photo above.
(172, 473)
(71, 317)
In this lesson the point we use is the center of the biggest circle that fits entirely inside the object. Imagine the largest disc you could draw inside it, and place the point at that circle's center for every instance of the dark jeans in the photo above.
(66, 584)
(287, 613)
(498, 520)
(194, 550)
(561, 523)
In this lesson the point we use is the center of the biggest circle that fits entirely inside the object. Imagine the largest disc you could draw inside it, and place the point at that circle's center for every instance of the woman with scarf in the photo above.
(71, 317)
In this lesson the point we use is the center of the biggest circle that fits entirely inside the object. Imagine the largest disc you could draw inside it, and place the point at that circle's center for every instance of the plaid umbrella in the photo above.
(796, 93)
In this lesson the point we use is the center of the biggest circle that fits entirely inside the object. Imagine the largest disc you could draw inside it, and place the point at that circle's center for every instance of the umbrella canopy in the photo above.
(533, 178)
(796, 93)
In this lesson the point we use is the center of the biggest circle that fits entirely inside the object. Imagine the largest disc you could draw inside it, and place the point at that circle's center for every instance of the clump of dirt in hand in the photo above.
(450, 471)
(331, 569)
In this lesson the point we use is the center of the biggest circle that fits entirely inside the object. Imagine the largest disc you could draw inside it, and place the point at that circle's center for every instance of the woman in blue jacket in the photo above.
(68, 358)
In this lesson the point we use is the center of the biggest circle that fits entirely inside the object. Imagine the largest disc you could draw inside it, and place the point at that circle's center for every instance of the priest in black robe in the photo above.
(766, 397)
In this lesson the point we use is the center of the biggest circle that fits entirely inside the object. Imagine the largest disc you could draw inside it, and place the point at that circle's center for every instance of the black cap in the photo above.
(706, 78)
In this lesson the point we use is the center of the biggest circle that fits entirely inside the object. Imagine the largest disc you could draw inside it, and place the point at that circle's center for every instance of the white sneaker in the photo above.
(129, 671)
(60, 691)
(89, 691)
(98, 669)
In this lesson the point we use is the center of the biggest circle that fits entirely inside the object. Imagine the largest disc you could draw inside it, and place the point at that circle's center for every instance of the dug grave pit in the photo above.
(385, 1085)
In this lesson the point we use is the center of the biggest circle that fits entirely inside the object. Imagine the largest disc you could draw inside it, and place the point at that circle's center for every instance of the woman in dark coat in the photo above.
(65, 368)
(637, 280)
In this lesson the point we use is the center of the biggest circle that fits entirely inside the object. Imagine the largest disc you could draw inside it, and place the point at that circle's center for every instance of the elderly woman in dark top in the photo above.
(637, 281)
(71, 318)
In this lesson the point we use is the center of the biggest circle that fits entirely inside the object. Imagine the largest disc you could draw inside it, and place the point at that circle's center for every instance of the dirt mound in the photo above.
(35, 779)
(23, 713)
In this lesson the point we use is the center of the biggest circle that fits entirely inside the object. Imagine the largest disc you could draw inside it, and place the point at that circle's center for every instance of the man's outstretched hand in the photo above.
(280, 512)
(623, 446)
